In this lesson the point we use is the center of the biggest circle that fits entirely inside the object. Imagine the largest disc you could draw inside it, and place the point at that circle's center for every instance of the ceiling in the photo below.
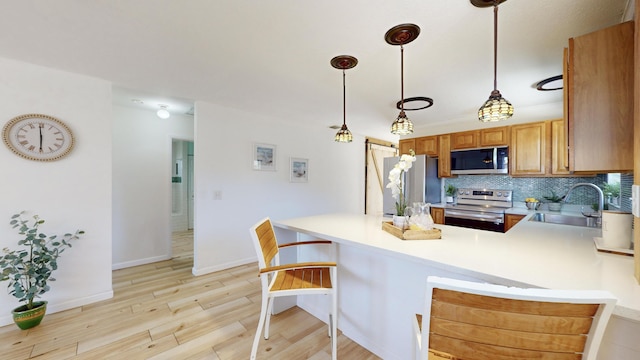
(272, 57)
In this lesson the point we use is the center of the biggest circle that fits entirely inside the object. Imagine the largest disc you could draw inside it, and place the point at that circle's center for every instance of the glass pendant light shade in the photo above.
(344, 135)
(344, 62)
(496, 108)
(402, 125)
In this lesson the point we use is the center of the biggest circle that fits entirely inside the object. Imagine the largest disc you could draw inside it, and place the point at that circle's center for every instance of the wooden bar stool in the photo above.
(309, 278)
(473, 321)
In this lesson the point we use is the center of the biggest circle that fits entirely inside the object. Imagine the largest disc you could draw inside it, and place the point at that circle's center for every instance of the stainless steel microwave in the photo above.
(493, 160)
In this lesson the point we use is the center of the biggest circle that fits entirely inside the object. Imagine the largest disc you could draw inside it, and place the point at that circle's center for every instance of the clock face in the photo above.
(38, 137)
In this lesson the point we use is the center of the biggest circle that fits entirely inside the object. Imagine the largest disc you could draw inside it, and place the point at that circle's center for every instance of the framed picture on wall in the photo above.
(298, 170)
(264, 157)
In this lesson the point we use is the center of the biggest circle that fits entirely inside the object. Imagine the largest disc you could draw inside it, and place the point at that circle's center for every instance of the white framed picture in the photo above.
(264, 157)
(298, 170)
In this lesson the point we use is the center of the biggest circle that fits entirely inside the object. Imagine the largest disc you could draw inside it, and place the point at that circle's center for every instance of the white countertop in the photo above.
(530, 254)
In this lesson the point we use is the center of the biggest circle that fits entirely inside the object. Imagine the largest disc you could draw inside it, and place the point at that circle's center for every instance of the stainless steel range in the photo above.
(479, 209)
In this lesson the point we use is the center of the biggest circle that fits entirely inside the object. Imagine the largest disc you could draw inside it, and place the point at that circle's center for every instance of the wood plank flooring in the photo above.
(162, 311)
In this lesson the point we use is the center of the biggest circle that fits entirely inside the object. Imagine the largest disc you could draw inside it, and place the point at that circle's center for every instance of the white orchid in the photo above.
(396, 180)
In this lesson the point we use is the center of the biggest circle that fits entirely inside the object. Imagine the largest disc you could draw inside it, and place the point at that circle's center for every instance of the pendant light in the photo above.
(400, 35)
(496, 108)
(344, 62)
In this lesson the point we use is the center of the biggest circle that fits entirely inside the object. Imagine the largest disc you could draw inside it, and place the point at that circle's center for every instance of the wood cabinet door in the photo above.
(527, 153)
(510, 220)
(438, 215)
(444, 156)
(558, 148)
(465, 140)
(601, 101)
(498, 136)
(427, 145)
(406, 145)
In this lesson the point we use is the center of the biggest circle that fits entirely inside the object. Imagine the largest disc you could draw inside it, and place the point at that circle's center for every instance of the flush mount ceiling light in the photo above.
(163, 113)
(496, 108)
(344, 62)
(400, 35)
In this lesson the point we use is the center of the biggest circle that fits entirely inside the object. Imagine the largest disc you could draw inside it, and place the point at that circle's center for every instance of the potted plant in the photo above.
(28, 269)
(555, 201)
(450, 192)
(396, 184)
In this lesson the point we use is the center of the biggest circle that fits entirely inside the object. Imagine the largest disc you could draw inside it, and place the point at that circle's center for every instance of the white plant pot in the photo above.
(400, 222)
(449, 199)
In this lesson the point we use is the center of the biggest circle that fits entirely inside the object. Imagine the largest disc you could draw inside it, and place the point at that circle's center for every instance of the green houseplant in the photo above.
(612, 193)
(450, 192)
(28, 269)
(555, 201)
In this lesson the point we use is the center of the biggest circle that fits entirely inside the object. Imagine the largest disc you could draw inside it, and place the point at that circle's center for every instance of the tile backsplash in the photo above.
(540, 187)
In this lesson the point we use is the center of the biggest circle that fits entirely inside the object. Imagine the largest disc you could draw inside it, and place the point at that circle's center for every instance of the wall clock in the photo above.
(38, 137)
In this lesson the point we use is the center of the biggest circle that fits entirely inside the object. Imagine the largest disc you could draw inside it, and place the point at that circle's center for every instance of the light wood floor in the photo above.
(162, 311)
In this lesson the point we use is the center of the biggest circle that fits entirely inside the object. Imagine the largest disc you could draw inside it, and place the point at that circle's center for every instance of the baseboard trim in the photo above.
(228, 265)
(53, 308)
(128, 264)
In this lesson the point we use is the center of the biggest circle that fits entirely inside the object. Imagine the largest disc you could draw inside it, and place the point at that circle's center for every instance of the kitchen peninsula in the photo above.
(382, 278)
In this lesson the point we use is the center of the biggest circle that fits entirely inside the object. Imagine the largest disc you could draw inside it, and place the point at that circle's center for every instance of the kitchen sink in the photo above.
(563, 219)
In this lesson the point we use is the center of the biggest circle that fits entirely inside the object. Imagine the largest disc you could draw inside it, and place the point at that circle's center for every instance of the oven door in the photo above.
(474, 220)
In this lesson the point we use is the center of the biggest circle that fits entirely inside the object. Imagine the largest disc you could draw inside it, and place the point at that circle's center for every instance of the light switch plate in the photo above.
(635, 200)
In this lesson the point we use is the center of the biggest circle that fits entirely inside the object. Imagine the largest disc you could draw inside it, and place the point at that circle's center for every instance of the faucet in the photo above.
(600, 201)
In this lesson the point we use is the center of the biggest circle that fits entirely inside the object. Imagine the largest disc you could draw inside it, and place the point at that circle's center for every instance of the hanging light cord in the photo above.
(401, 78)
(495, 45)
(344, 100)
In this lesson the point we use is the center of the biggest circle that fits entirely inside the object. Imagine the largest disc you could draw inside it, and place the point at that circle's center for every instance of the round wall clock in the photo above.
(38, 137)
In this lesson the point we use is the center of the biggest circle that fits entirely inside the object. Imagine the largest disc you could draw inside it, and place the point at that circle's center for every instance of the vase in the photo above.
(25, 318)
(400, 222)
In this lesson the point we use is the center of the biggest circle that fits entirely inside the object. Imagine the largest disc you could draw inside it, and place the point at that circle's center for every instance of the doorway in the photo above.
(376, 151)
(182, 194)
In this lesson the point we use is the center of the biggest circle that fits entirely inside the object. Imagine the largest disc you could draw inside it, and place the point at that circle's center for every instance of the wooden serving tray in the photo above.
(432, 234)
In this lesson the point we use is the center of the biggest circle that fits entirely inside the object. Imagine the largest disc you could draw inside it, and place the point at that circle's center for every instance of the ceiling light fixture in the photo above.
(163, 113)
(400, 35)
(344, 62)
(496, 108)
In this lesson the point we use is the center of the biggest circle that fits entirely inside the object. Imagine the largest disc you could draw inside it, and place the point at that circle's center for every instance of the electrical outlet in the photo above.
(217, 195)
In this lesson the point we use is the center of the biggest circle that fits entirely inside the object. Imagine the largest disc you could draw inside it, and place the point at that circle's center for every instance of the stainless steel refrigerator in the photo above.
(421, 183)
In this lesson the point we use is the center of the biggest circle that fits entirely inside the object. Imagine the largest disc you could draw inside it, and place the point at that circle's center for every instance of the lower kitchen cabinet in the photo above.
(510, 220)
(438, 215)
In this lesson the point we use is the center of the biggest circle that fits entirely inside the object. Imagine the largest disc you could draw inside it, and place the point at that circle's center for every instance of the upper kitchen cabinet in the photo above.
(599, 100)
(497, 136)
(465, 140)
(427, 145)
(444, 158)
(406, 145)
(527, 153)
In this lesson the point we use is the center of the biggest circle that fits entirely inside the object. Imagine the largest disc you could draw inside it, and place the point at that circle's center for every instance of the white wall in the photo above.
(71, 193)
(142, 184)
(223, 157)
